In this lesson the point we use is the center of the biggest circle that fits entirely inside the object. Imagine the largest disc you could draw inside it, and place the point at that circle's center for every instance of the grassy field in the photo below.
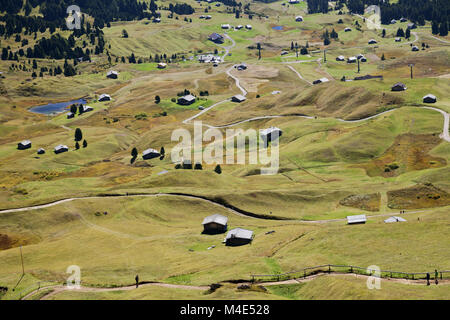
(396, 159)
(112, 248)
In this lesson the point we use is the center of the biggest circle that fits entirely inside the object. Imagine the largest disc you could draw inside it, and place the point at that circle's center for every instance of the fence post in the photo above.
(304, 273)
(329, 269)
(441, 275)
(351, 269)
(413, 276)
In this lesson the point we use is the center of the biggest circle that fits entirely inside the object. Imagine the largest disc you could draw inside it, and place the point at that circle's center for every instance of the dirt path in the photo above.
(338, 274)
(444, 135)
(228, 72)
(230, 208)
(299, 75)
(57, 289)
(438, 39)
(60, 288)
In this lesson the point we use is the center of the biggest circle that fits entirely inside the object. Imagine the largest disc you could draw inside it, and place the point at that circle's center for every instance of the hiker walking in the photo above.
(137, 281)
(436, 276)
(428, 278)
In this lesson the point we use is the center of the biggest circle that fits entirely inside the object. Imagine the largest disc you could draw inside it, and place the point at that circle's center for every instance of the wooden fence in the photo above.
(329, 268)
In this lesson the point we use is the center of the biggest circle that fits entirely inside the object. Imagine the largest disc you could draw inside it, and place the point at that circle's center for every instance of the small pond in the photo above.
(55, 108)
(278, 28)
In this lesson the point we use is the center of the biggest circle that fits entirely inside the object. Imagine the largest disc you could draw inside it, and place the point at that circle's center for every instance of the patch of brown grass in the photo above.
(368, 202)
(418, 196)
(408, 152)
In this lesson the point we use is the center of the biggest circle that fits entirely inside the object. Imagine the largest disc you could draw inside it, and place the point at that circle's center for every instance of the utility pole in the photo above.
(21, 257)
(411, 65)
(296, 49)
(324, 55)
(359, 69)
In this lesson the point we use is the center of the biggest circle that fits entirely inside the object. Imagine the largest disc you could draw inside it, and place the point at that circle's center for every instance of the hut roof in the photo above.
(188, 97)
(150, 151)
(394, 219)
(60, 147)
(356, 219)
(25, 142)
(239, 97)
(240, 233)
(216, 218)
(431, 96)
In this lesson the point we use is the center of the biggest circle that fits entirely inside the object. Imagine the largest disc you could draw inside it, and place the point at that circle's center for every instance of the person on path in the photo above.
(436, 276)
(428, 278)
(137, 281)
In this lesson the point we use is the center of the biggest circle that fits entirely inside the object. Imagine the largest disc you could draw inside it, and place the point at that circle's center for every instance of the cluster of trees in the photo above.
(57, 47)
(103, 11)
(183, 93)
(403, 34)
(15, 24)
(418, 11)
(157, 58)
(317, 6)
(68, 70)
(78, 138)
(181, 8)
(327, 35)
(232, 3)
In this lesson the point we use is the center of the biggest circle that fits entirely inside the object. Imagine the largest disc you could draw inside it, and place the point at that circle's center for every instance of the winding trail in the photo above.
(57, 289)
(61, 288)
(339, 274)
(229, 207)
(444, 135)
(298, 74)
(438, 39)
(228, 72)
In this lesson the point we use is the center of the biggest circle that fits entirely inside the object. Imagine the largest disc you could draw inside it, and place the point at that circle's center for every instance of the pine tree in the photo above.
(218, 169)
(443, 29)
(4, 54)
(435, 27)
(78, 134)
(134, 153)
(85, 144)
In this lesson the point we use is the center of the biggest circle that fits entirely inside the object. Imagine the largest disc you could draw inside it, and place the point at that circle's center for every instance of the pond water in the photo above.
(277, 28)
(55, 108)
